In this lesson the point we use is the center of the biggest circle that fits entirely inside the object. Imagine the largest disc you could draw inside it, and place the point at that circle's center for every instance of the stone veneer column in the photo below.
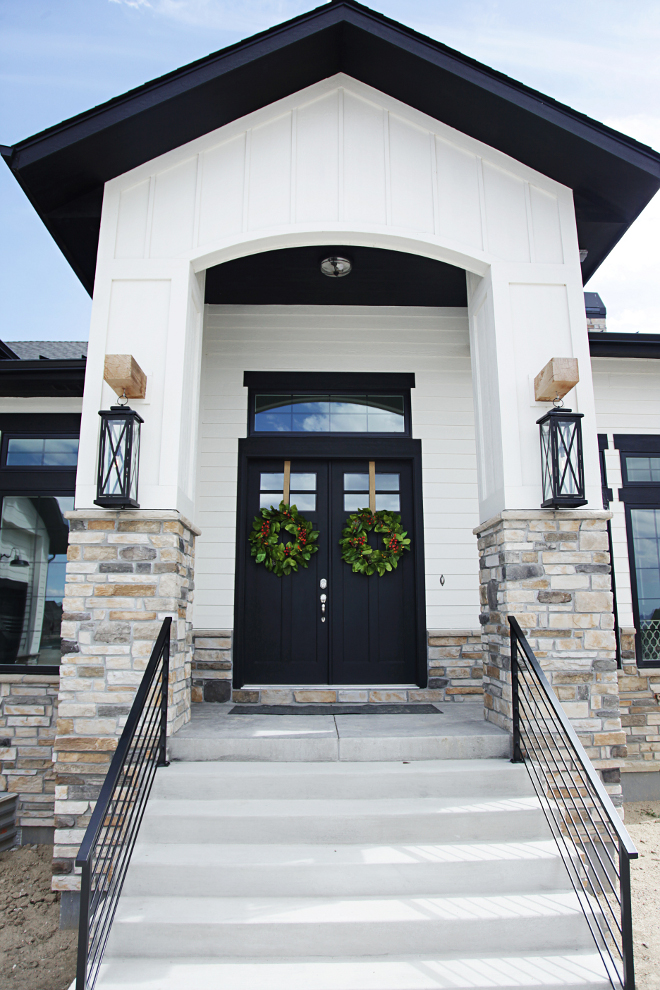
(551, 569)
(127, 570)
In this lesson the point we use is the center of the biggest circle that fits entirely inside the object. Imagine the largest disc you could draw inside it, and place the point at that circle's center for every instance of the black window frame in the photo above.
(637, 495)
(329, 383)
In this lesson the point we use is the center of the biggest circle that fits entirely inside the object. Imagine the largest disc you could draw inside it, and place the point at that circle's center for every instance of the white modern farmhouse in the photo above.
(344, 416)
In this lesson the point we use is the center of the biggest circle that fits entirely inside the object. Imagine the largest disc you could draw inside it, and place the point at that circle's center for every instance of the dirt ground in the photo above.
(34, 953)
(643, 822)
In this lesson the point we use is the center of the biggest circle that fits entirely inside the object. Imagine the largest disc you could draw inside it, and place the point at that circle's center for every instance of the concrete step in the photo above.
(458, 733)
(561, 971)
(304, 870)
(268, 927)
(348, 876)
(430, 778)
(369, 821)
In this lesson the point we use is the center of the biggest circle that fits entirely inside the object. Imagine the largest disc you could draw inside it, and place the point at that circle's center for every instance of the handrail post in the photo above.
(162, 748)
(626, 919)
(83, 928)
(516, 755)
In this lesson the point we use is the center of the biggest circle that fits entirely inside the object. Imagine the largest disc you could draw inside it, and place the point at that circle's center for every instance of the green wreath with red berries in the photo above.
(355, 549)
(282, 558)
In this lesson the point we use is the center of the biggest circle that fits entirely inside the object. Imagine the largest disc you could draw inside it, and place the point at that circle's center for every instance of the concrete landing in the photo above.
(458, 733)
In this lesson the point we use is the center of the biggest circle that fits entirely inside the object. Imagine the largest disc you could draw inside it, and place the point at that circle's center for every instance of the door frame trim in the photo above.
(339, 448)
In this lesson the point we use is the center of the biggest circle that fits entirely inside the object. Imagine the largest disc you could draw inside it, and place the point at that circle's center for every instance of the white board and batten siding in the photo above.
(432, 343)
(338, 162)
(627, 394)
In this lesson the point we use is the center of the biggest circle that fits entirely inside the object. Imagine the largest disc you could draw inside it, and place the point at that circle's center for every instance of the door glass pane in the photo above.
(389, 502)
(646, 550)
(643, 469)
(302, 482)
(271, 482)
(33, 544)
(356, 482)
(304, 502)
(270, 499)
(354, 502)
(387, 482)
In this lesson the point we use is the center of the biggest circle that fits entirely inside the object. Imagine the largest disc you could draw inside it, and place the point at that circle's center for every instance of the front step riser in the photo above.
(502, 935)
(330, 750)
(437, 879)
(209, 788)
(526, 826)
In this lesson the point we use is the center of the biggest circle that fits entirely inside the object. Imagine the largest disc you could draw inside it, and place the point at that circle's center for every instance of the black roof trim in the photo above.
(624, 345)
(42, 378)
(6, 353)
(62, 169)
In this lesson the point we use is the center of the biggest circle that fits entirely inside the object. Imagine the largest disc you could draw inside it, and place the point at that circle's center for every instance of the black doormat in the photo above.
(399, 709)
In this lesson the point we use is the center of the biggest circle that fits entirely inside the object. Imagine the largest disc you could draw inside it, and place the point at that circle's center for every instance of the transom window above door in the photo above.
(349, 413)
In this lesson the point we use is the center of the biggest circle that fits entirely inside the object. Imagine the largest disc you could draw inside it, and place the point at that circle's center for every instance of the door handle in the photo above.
(323, 599)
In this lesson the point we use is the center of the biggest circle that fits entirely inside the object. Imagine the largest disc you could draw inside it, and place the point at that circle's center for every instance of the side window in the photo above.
(38, 452)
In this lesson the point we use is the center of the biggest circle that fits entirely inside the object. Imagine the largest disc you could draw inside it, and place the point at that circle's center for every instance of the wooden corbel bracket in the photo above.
(125, 376)
(558, 377)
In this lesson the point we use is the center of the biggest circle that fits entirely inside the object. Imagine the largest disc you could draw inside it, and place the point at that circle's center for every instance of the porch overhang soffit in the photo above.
(63, 170)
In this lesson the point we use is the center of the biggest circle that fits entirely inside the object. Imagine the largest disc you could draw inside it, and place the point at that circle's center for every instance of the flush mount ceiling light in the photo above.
(336, 267)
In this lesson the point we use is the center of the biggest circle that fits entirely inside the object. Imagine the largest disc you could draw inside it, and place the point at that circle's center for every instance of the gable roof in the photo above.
(62, 170)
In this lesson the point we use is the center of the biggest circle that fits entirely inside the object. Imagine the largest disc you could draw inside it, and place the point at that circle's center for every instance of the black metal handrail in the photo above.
(591, 838)
(107, 846)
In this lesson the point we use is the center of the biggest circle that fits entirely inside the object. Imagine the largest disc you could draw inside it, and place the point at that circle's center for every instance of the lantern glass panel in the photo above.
(114, 456)
(567, 450)
(135, 460)
(546, 460)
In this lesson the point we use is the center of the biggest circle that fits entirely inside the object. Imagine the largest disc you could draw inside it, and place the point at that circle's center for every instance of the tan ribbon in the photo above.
(287, 481)
(372, 486)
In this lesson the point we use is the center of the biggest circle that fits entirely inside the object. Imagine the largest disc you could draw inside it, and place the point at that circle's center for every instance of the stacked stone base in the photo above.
(551, 570)
(455, 673)
(28, 713)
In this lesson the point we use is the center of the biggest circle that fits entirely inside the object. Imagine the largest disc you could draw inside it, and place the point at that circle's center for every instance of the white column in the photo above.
(152, 310)
(520, 317)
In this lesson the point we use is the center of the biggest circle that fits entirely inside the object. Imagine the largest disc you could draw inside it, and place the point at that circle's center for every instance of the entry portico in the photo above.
(428, 172)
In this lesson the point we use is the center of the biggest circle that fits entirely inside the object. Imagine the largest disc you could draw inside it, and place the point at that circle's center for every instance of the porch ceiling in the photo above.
(62, 170)
(378, 278)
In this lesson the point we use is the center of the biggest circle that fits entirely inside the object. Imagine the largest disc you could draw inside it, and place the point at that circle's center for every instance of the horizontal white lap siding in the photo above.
(432, 343)
(627, 394)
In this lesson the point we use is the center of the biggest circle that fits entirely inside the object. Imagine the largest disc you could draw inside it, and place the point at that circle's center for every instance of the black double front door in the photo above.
(370, 634)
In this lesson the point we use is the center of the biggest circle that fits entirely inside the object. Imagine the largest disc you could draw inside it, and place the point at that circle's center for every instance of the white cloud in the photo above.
(246, 17)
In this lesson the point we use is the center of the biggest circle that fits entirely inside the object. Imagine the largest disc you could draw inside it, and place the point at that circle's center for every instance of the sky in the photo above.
(61, 57)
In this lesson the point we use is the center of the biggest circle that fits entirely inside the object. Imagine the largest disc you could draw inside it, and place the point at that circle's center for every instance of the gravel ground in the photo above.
(36, 955)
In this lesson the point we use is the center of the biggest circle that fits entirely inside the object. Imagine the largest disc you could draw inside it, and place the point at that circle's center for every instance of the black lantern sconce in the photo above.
(119, 458)
(562, 465)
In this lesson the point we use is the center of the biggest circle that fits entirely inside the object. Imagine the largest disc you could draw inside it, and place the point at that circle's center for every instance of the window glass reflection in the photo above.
(33, 546)
(329, 413)
(643, 469)
(268, 500)
(42, 452)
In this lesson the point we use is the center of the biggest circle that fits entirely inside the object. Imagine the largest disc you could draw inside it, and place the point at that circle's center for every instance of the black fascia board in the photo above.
(42, 378)
(624, 345)
(62, 170)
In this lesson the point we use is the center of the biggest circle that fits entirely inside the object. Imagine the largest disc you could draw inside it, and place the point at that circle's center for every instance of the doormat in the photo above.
(399, 709)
